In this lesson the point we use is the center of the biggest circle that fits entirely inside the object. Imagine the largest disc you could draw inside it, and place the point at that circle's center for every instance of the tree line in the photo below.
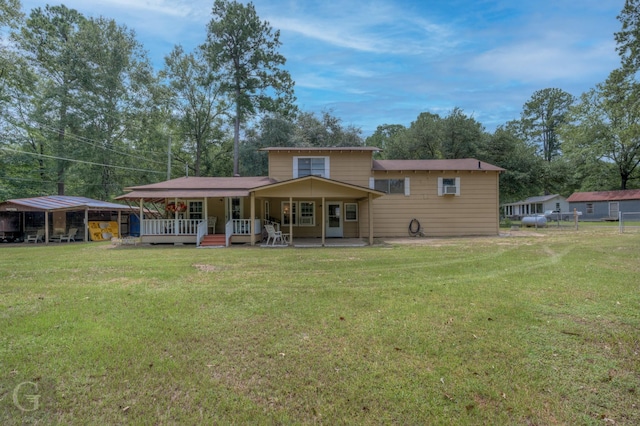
(83, 112)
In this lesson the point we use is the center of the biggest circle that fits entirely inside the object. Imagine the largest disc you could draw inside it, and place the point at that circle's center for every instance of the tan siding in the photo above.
(215, 207)
(349, 167)
(474, 212)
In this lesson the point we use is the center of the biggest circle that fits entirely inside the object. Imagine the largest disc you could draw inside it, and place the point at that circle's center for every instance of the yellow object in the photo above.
(103, 231)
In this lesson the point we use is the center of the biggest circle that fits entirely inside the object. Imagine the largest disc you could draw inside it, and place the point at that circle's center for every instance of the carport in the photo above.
(18, 216)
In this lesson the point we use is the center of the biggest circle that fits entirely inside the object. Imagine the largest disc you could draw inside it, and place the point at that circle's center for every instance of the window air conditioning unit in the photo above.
(450, 189)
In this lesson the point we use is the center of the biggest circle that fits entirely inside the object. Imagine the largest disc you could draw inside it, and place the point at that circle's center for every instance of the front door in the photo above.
(334, 220)
(614, 208)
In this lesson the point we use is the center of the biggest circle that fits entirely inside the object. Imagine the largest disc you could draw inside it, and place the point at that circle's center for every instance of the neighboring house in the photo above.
(605, 205)
(328, 193)
(536, 205)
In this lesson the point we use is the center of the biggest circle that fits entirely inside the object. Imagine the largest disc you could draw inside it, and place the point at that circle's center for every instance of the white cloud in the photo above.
(539, 62)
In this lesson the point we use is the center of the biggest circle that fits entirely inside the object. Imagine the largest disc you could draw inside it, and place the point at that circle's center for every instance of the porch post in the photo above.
(291, 220)
(141, 217)
(86, 225)
(119, 224)
(175, 216)
(370, 219)
(46, 226)
(206, 215)
(324, 225)
(252, 225)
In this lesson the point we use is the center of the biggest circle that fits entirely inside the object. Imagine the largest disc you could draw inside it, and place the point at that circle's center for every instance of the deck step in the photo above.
(215, 240)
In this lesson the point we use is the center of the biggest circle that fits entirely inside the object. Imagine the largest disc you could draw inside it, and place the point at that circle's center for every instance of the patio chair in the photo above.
(276, 237)
(70, 236)
(39, 236)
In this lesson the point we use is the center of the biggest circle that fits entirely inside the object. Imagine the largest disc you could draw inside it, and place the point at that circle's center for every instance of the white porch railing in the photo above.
(241, 227)
(171, 226)
(203, 229)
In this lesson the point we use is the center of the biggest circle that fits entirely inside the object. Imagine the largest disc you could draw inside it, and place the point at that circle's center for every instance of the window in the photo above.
(195, 209)
(350, 212)
(311, 166)
(267, 210)
(589, 208)
(289, 214)
(390, 186)
(448, 186)
(307, 213)
(301, 213)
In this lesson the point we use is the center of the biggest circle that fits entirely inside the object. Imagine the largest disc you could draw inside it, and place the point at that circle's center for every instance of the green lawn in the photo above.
(540, 329)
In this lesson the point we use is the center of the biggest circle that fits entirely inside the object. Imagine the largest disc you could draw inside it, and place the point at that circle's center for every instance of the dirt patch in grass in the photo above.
(206, 268)
(439, 242)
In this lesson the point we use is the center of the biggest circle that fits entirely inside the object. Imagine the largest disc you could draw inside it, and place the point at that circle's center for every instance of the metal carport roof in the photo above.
(65, 202)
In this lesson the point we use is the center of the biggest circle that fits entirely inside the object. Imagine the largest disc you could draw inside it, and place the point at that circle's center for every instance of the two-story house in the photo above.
(327, 193)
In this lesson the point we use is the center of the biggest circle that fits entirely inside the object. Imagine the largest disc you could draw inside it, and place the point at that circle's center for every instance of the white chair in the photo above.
(39, 236)
(70, 236)
(276, 237)
(211, 223)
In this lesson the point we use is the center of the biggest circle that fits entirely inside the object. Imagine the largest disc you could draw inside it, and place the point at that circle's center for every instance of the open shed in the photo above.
(56, 214)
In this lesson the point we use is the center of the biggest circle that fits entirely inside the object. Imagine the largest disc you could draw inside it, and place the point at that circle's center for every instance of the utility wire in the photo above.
(96, 144)
(80, 161)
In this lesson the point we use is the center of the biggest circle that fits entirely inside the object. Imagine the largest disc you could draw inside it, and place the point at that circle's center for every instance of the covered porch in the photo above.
(310, 207)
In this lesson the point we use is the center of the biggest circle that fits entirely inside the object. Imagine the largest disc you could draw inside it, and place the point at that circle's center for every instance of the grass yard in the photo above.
(539, 329)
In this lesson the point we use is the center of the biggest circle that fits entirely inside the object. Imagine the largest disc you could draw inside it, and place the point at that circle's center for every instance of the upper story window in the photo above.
(311, 166)
(391, 186)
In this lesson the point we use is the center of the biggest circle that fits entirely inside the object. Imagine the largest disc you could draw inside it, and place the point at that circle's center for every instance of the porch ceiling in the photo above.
(315, 187)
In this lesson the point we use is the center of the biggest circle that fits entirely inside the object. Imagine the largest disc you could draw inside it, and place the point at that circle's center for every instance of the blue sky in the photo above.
(386, 61)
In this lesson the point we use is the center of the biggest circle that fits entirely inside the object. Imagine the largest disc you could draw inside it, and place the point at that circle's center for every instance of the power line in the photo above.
(96, 144)
(80, 161)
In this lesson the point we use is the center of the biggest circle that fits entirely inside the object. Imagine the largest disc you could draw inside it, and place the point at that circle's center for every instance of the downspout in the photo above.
(324, 224)
(370, 219)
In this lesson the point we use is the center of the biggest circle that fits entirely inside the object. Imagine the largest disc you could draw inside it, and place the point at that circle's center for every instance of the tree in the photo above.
(198, 100)
(50, 43)
(383, 135)
(433, 137)
(119, 86)
(10, 16)
(85, 104)
(245, 50)
(324, 131)
(10, 13)
(542, 115)
(461, 135)
(421, 140)
(605, 125)
(521, 178)
(628, 38)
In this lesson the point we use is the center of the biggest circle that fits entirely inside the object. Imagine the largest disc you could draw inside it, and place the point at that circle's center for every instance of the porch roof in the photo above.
(315, 187)
(60, 203)
(196, 187)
